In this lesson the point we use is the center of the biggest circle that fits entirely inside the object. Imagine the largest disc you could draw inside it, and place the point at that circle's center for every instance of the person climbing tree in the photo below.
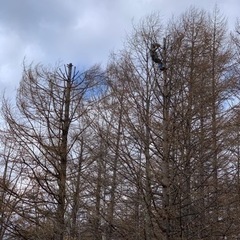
(154, 55)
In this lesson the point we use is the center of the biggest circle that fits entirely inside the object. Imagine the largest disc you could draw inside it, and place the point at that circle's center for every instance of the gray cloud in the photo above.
(82, 32)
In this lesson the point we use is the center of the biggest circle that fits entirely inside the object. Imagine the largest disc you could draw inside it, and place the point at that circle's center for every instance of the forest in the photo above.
(128, 152)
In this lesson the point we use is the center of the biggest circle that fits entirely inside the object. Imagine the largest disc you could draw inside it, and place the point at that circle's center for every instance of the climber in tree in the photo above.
(154, 55)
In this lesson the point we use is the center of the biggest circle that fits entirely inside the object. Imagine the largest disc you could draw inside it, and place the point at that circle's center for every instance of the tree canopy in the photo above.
(132, 151)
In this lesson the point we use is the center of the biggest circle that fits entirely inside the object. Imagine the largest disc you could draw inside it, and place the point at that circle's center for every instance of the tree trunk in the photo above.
(60, 231)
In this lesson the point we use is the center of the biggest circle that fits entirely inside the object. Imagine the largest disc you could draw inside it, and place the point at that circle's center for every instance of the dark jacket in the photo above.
(154, 54)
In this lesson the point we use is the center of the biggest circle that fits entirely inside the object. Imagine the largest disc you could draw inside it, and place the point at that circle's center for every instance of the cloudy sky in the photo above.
(79, 31)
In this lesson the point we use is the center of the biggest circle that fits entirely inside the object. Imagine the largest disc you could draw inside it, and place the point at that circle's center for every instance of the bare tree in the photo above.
(175, 119)
(44, 129)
